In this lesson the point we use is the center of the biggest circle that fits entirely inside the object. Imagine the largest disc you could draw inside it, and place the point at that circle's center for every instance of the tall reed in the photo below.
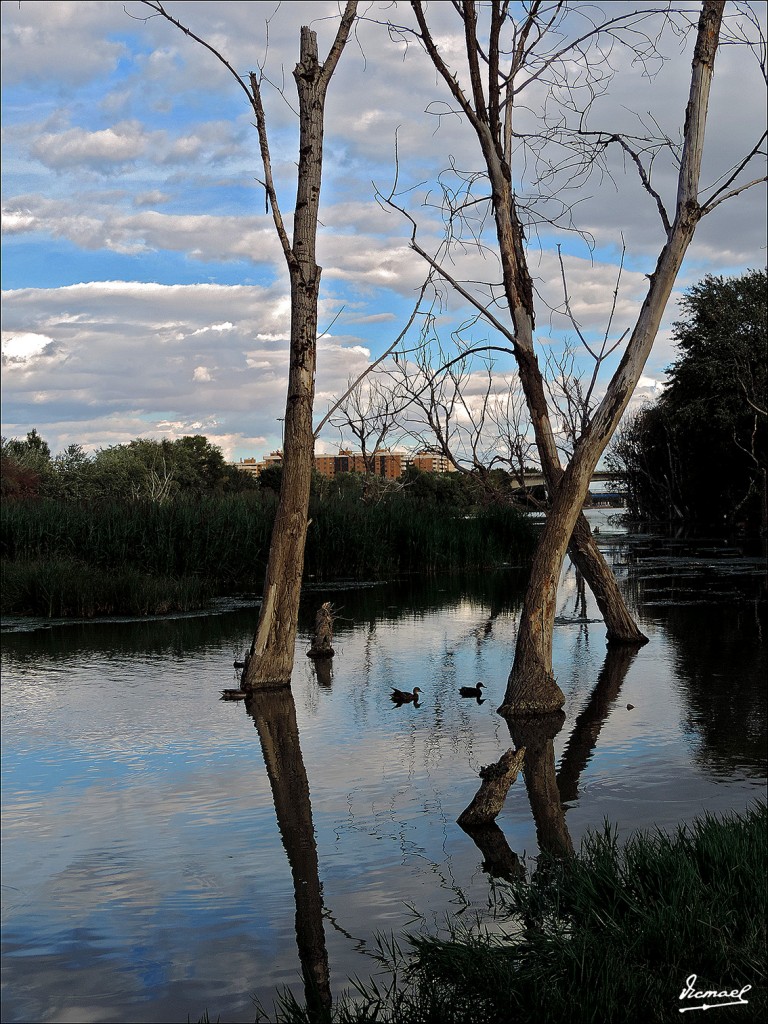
(224, 540)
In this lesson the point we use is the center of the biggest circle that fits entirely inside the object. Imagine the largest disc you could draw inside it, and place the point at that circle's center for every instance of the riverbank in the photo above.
(68, 559)
(636, 932)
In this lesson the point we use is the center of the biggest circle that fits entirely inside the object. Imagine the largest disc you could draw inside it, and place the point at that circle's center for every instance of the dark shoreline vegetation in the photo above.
(69, 558)
(609, 935)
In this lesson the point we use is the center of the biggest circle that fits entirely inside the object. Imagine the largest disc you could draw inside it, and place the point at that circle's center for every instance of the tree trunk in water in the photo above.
(621, 627)
(322, 641)
(272, 650)
(518, 287)
(271, 656)
(531, 688)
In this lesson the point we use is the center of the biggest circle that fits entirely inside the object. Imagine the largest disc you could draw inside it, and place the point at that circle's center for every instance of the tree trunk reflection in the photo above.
(536, 733)
(547, 789)
(589, 722)
(274, 714)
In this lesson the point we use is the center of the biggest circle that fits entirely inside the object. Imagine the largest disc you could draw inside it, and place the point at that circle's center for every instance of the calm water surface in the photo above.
(158, 842)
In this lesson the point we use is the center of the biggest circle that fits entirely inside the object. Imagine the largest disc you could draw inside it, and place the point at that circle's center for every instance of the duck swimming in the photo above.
(403, 697)
(471, 691)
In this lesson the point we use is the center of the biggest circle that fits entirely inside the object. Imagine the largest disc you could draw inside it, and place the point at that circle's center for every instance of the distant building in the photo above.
(250, 466)
(430, 462)
(254, 468)
(384, 463)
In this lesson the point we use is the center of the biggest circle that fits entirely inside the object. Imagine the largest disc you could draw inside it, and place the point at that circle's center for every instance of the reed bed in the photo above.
(56, 552)
(66, 588)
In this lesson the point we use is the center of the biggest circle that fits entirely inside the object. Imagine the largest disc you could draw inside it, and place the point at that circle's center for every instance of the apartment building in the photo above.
(388, 464)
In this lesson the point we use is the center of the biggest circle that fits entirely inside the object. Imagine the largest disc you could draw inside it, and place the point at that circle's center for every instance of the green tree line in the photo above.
(698, 454)
(141, 469)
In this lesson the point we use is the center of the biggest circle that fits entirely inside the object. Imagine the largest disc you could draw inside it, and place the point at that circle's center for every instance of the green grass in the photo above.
(609, 935)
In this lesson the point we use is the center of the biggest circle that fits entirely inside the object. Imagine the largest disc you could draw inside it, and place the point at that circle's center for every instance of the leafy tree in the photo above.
(25, 466)
(32, 453)
(139, 470)
(270, 478)
(72, 473)
(699, 454)
(196, 463)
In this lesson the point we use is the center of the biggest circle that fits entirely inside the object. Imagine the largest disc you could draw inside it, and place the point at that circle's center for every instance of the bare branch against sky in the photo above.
(144, 289)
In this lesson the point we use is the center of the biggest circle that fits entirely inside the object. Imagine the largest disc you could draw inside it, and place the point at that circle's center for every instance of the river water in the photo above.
(165, 852)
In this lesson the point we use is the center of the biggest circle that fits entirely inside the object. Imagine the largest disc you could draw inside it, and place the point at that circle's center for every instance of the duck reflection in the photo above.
(548, 790)
(274, 715)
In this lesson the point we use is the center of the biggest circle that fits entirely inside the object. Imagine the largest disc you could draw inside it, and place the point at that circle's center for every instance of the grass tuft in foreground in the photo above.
(610, 935)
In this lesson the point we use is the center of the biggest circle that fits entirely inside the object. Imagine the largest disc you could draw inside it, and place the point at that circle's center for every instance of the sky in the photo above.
(144, 289)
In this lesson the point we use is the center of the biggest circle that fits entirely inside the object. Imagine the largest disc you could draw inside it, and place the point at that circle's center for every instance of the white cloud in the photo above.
(65, 42)
(19, 222)
(106, 134)
(110, 146)
(148, 359)
(21, 348)
(153, 198)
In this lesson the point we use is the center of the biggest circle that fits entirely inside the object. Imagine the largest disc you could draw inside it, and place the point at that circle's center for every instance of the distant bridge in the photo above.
(535, 486)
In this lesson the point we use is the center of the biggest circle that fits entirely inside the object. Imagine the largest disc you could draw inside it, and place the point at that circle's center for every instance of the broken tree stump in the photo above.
(322, 641)
(489, 799)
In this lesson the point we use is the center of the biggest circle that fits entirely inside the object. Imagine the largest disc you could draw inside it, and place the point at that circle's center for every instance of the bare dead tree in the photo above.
(508, 420)
(506, 60)
(471, 414)
(572, 394)
(621, 627)
(369, 415)
(272, 652)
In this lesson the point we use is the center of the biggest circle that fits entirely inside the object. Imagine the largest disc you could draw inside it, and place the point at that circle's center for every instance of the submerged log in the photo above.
(489, 799)
(322, 641)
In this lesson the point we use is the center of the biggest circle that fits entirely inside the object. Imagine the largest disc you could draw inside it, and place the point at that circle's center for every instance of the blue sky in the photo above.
(143, 286)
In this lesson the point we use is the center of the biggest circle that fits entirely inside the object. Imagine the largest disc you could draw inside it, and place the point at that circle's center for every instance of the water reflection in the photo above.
(536, 734)
(145, 877)
(323, 670)
(549, 791)
(586, 728)
(274, 715)
(711, 604)
(499, 861)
